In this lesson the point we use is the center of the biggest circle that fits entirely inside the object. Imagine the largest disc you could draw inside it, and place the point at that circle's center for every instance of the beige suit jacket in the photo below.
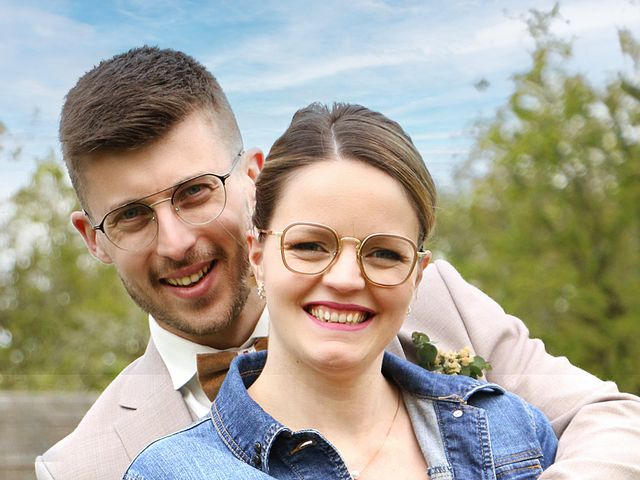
(599, 427)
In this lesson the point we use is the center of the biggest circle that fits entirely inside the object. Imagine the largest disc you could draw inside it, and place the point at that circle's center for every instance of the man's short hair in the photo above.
(132, 100)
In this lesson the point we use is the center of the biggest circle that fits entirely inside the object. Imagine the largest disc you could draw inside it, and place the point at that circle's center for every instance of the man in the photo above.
(155, 156)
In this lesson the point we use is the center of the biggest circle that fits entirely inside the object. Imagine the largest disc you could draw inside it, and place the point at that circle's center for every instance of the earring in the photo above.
(261, 292)
(409, 310)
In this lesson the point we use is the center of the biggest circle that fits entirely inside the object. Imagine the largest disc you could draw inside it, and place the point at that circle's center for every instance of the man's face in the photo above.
(192, 279)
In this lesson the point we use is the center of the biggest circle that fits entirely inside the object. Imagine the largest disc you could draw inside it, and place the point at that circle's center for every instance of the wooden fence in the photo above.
(31, 422)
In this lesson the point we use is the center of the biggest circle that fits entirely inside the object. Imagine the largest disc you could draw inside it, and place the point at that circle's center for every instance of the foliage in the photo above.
(548, 221)
(460, 362)
(65, 320)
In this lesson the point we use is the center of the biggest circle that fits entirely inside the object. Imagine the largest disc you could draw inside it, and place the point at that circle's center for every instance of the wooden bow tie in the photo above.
(213, 367)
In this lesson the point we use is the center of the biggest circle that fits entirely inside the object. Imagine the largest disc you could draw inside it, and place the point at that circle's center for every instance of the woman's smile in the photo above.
(338, 316)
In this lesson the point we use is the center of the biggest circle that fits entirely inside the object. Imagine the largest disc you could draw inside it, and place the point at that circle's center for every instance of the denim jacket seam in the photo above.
(530, 416)
(485, 441)
(226, 437)
(443, 435)
(453, 398)
(519, 469)
(248, 373)
(530, 454)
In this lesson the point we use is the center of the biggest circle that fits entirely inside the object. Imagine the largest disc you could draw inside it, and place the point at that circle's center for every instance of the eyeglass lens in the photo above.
(197, 201)
(385, 259)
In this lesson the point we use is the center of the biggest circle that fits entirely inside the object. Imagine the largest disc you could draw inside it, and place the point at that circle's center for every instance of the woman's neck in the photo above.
(358, 411)
(300, 396)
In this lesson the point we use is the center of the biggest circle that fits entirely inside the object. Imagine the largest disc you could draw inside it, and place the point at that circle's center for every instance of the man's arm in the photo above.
(598, 427)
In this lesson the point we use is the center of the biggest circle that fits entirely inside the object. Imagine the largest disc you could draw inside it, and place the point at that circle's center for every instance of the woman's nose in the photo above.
(345, 273)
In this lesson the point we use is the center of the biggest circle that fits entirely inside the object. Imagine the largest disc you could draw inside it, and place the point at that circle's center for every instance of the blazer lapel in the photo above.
(151, 407)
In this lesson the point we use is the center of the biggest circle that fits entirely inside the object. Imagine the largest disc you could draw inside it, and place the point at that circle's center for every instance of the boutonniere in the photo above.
(460, 362)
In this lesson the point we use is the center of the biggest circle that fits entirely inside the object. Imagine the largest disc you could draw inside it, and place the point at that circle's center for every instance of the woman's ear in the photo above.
(256, 248)
(90, 236)
(422, 264)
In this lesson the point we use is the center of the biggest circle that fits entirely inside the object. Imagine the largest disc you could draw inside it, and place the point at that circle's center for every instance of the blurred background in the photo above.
(527, 114)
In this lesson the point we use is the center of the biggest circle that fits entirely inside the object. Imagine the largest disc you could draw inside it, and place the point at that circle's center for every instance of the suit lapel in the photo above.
(151, 407)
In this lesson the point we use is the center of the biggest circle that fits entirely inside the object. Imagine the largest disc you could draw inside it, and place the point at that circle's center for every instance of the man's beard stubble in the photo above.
(239, 291)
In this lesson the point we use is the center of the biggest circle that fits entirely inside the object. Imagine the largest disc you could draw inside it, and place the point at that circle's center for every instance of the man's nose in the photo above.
(175, 237)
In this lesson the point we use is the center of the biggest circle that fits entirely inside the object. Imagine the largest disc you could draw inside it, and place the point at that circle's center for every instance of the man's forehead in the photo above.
(106, 190)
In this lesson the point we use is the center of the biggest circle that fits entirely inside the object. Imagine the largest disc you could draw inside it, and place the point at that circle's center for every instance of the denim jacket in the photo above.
(467, 430)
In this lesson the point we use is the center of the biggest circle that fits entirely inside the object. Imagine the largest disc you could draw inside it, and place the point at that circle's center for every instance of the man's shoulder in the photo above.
(106, 438)
(446, 303)
(80, 454)
(108, 407)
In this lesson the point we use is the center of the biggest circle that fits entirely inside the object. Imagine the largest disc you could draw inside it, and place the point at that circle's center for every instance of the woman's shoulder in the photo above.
(170, 453)
(517, 429)
(424, 383)
(191, 453)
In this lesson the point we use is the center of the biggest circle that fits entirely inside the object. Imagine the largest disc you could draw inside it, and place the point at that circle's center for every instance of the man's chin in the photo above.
(205, 320)
(198, 318)
(203, 327)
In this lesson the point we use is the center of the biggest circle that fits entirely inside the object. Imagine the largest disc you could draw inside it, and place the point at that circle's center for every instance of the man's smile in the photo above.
(189, 279)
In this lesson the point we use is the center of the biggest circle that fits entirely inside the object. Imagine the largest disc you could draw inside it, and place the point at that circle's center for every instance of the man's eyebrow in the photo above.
(124, 203)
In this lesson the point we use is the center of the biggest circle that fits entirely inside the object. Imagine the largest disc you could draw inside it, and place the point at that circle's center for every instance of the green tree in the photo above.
(65, 320)
(548, 217)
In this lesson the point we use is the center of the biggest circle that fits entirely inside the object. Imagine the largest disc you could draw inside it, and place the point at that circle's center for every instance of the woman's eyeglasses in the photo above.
(385, 259)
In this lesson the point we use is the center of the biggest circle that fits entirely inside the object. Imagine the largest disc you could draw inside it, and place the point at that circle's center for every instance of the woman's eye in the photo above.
(307, 247)
(384, 254)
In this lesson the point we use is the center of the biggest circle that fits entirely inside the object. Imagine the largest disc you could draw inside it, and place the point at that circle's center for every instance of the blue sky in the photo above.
(415, 60)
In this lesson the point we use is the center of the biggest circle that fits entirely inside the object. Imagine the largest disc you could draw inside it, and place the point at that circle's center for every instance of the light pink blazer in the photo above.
(599, 427)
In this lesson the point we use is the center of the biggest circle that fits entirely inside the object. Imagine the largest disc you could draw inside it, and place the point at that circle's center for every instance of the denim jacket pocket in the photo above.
(521, 466)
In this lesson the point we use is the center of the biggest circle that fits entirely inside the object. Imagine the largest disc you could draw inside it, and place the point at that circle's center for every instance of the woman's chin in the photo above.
(339, 360)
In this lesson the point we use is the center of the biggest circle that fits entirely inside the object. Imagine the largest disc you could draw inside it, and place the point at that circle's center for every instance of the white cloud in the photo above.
(585, 16)
(415, 60)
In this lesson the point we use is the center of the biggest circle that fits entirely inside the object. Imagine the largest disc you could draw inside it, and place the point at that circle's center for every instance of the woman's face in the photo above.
(356, 200)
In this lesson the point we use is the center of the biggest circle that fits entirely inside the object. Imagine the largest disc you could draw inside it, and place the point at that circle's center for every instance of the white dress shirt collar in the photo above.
(179, 354)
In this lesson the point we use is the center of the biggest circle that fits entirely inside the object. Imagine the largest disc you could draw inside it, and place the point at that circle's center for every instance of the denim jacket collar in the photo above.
(250, 432)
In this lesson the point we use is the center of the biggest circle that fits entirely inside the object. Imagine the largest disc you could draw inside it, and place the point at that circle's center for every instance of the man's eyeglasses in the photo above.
(196, 201)
(385, 259)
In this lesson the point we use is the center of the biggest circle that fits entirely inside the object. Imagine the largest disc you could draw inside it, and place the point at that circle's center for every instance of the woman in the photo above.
(342, 206)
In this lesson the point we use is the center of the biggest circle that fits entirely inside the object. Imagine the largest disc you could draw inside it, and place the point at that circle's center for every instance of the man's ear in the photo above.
(256, 249)
(422, 264)
(254, 162)
(90, 237)
(252, 168)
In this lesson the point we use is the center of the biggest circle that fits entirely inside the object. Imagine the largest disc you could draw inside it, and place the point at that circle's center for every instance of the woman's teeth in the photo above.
(189, 279)
(333, 316)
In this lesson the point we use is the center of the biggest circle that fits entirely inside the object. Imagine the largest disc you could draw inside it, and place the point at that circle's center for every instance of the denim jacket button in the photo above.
(257, 461)
(457, 413)
(258, 447)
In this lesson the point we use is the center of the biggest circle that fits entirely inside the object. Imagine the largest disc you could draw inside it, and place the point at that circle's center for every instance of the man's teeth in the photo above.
(189, 279)
(332, 316)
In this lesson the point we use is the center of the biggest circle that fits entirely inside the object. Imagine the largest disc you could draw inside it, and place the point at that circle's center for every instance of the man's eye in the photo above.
(192, 190)
(131, 213)
(195, 194)
(130, 217)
